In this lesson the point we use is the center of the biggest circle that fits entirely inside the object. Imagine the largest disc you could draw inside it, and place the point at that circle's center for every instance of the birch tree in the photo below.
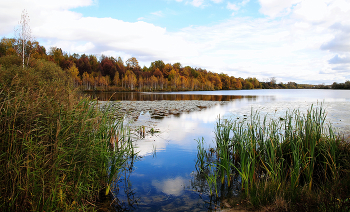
(24, 38)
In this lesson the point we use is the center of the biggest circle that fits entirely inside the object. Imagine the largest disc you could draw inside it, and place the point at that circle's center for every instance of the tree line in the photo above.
(113, 74)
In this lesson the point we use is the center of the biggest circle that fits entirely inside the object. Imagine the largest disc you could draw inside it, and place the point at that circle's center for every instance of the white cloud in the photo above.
(275, 8)
(262, 48)
(300, 44)
(232, 6)
(197, 3)
(83, 48)
(158, 13)
(141, 18)
(217, 1)
(340, 59)
(244, 2)
(236, 7)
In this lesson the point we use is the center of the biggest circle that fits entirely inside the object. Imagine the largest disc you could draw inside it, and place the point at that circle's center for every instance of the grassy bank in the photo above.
(55, 150)
(293, 163)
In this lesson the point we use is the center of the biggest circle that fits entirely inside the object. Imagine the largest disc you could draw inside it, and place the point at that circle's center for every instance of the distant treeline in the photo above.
(113, 74)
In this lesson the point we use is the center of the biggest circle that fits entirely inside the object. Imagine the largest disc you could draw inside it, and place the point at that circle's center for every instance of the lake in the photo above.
(163, 177)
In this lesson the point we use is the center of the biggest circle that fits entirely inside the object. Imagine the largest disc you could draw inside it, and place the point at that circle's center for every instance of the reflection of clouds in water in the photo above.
(170, 186)
(184, 129)
(209, 115)
(335, 111)
(189, 126)
(149, 145)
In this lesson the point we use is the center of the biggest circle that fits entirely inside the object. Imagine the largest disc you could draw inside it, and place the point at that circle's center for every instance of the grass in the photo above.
(56, 147)
(291, 163)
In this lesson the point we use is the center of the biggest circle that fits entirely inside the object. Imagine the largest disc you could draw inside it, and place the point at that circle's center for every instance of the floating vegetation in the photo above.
(152, 131)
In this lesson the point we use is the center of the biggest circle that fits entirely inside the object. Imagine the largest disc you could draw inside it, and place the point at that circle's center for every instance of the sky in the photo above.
(303, 41)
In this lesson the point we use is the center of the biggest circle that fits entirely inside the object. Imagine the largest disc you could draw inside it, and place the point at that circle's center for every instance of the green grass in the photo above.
(55, 150)
(290, 163)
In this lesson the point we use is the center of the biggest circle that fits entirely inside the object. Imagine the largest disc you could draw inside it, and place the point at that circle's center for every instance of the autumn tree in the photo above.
(7, 47)
(186, 71)
(215, 80)
(158, 73)
(107, 67)
(120, 68)
(166, 70)
(56, 55)
(226, 83)
(154, 82)
(88, 81)
(174, 78)
(255, 82)
(130, 79)
(235, 83)
(94, 63)
(40, 52)
(157, 64)
(116, 79)
(74, 72)
(140, 83)
(132, 64)
(83, 64)
(177, 66)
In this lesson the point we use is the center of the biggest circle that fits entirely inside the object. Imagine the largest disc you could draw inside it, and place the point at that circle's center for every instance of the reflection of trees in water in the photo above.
(139, 96)
(123, 194)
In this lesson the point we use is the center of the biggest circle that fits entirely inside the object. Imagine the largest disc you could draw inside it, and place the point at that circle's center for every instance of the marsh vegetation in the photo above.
(58, 150)
(295, 162)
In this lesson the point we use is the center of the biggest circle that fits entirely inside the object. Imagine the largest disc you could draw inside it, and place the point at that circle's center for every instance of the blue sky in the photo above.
(171, 14)
(305, 41)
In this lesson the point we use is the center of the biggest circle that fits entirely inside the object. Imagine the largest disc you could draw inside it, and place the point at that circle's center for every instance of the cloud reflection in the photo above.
(170, 186)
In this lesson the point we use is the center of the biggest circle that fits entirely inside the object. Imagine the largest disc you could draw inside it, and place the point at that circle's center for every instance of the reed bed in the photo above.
(57, 150)
(295, 162)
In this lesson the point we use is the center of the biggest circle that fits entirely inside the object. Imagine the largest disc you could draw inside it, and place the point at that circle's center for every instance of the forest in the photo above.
(113, 74)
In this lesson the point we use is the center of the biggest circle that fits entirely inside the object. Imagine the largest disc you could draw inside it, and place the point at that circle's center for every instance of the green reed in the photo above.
(201, 155)
(55, 150)
(223, 150)
(282, 158)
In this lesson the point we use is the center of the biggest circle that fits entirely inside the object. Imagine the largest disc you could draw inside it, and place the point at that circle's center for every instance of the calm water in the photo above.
(163, 178)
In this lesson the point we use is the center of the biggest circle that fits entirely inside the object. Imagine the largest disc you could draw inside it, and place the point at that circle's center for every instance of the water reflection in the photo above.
(146, 96)
(170, 186)
(165, 177)
(123, 193)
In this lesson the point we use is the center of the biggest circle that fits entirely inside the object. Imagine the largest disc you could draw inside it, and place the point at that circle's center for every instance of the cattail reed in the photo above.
(284, 157)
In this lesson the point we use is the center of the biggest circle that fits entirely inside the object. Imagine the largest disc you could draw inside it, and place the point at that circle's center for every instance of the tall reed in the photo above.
(281, 158)
(55, 146)
(223, 150)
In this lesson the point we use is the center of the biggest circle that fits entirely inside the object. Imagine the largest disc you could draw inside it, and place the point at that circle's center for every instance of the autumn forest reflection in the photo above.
(145, 96)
